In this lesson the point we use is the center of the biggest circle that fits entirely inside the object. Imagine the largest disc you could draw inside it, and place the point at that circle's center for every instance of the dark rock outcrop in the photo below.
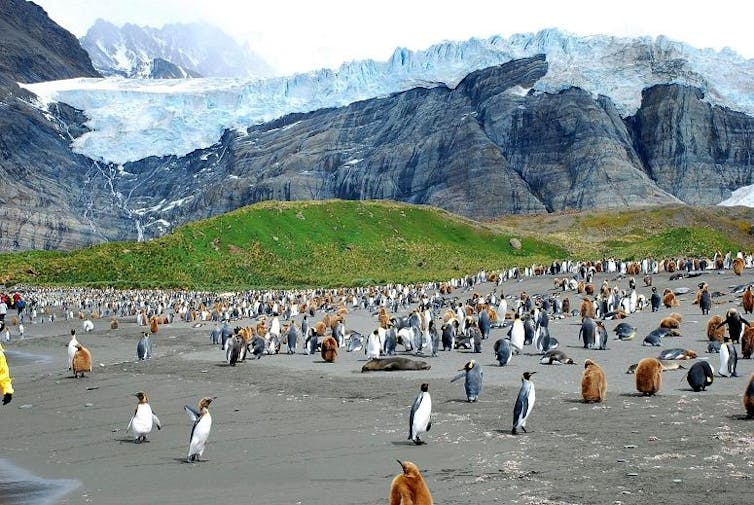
(488, 147)
(163, 69)
(694, 150)
(33, 48)
(41, 204)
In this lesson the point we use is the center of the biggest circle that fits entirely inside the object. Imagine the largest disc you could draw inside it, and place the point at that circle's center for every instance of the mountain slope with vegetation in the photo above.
(330, 243)
(347, 243)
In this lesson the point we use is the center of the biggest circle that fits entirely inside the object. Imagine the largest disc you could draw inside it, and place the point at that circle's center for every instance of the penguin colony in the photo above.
(465, 328)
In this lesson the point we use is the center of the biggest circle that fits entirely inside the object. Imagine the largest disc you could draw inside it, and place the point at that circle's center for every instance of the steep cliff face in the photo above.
(493, 144)
(41, 205)
(697, 151)
(33, 48)
(483, 149)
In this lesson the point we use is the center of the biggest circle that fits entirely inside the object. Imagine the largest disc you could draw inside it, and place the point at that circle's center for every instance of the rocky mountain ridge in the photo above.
(492, 144)
(197, 49)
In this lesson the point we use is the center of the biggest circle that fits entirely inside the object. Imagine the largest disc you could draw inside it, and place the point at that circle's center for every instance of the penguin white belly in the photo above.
(373, 346)
(141, 423)
(532, 398)
(724, 356)
(200, 435)
(71, 351)
(421, 417)
(517, 336)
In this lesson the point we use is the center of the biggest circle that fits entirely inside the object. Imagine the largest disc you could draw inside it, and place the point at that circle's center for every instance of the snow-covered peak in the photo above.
(133, 119)
(198, 48)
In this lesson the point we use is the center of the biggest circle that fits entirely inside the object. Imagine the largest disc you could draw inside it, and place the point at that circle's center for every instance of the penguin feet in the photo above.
(419, 441)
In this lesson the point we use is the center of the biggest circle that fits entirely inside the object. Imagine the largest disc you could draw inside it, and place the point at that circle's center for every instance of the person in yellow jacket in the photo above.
(5, 382)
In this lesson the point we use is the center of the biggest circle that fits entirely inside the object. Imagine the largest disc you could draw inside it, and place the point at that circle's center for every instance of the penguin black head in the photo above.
(424, 387)
(73, 331)
(142, 396)
(468, 366)
(527, 375)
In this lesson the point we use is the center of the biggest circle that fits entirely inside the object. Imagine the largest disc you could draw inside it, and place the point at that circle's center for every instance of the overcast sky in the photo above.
(300, 35)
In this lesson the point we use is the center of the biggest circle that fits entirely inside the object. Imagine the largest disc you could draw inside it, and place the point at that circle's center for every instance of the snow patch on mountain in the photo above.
(197, 48)
(743, 196)
(133, 119)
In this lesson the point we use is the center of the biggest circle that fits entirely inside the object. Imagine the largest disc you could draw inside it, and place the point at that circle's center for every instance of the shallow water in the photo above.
(19, 487)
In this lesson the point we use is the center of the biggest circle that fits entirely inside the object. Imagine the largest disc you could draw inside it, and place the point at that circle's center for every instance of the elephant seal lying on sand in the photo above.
(394, 363)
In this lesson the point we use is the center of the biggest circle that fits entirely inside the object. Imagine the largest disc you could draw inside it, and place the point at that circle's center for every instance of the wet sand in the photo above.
(295, 430)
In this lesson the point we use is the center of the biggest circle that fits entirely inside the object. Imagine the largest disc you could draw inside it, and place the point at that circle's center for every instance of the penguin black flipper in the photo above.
(414, 409)
(192, 412)
(519, 411)
(156, 421)
(462, 374)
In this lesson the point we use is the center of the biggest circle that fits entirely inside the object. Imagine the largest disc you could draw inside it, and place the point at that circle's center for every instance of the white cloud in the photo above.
(300, 35)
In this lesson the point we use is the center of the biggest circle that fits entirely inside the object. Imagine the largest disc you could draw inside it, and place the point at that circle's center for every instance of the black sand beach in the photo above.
(296, 430)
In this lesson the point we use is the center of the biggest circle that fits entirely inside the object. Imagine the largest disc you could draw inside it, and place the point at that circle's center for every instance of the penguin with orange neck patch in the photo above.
(200, 431)
(409, 488)
(419, 420)
(143, 420)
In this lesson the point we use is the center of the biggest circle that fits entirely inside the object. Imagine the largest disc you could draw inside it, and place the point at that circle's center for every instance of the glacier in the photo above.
(131, 119)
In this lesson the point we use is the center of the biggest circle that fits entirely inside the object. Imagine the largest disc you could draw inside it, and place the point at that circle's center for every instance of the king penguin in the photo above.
(524, 403)
(503, 351)
(72, 347)
(700, 375)
(728, 359)
(144, 347)
(200, 431)
(374, 345)
(143, 420)
(472, 372)
(409, 487)
(419, 421)
(517, 334)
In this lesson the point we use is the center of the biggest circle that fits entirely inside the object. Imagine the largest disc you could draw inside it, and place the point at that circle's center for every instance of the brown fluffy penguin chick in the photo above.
(153, 324)
(587, 308)
(649, 376)
(82, 361)
(747, 342)
(329, 349)
(738, 266)
(713, 332)
(409, 488)
(748, 301)
(669, 300)
(749, 398)
(670, 322)
(593, 382)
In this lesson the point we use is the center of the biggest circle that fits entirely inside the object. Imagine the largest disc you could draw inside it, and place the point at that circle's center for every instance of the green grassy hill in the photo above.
(330, 243)
(659, 231)
(347, 243)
